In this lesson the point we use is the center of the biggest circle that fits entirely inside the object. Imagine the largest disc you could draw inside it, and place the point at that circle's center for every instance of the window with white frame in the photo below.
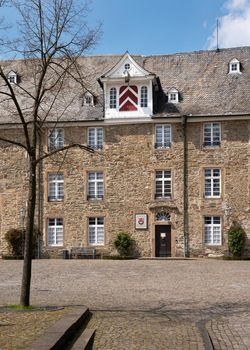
(163, 184)
(55, 187)
(88, 99)
(96, 231)
(212, 230)
(234, 66)
(95, 185)
(212, 134)
(12, 77)
(144, 96)
(163, 136)
(55, 139)
(95, 138)
(212, 183)
(55, 232)
(112, 98)
(173, 96)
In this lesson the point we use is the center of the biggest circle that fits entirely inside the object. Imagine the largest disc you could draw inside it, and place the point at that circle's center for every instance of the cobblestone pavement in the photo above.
(146, 305)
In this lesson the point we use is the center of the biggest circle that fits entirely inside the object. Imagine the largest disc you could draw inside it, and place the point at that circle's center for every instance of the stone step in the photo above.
(85, 340)
(58, 335)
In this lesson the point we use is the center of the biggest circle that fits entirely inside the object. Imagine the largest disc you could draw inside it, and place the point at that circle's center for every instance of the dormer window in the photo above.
(112, 98)
(173, 96)
(12, 77)
(88, 99)
(234, 66)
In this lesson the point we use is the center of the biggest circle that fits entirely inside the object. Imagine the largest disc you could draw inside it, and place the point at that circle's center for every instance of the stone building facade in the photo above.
(171, 165)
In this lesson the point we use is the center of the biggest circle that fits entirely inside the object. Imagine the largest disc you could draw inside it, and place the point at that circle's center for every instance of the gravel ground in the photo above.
(140, 304)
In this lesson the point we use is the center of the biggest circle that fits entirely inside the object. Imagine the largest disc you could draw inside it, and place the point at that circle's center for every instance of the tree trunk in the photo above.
(26, 278)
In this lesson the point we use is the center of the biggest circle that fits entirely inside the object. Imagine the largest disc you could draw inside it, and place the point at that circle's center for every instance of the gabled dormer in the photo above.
(128, 90)
(13, 77)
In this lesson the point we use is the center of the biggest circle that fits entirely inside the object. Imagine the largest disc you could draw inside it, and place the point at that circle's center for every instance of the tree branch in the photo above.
(73, 145)
(13, 142)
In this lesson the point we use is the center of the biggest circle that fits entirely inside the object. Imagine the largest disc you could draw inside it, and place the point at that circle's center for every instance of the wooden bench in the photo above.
(83, 252)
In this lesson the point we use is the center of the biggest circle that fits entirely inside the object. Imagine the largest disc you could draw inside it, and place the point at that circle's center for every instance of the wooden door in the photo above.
(163, 240)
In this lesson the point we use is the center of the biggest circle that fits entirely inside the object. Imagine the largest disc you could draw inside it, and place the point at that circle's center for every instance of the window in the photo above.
(234, 66)
(56, 139)
(163, 184)
(88, 99)
(127, 66)
(173, 96)
(95, 138)
(144, 96)
(12, 77)
(163, 136)
(212, 134)
(55, 232)
(212, 183)
(112, 98)
(95, 185)
(56, 187)
(96, 231)
(212, 230)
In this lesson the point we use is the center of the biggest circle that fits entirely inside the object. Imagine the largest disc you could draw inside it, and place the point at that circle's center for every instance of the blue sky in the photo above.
(155, 26)
(165, 26)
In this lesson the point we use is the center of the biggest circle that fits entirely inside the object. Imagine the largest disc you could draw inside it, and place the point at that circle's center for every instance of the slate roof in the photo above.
(201, 78)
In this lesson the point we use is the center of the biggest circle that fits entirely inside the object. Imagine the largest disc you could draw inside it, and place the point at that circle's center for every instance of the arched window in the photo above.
(112, 98)
(144, 96)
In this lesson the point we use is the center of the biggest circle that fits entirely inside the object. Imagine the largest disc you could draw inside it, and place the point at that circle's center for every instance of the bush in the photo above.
(236, 239)
(15, 240)
(123, 243)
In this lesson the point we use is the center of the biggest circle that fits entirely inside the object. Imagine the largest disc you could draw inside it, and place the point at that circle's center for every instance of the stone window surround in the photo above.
(50, 130)
(95, 181)
(85, 176)
(96, 215)
(103, 135)
(155, 140)
(212, 146)
(46, 185)
(207, 245)
(212, 184)
(56, 216)
(55, 184)
(202, 182)
(162, 168)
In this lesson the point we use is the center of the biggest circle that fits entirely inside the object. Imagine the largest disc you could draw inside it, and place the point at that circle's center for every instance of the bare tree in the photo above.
(54, 35)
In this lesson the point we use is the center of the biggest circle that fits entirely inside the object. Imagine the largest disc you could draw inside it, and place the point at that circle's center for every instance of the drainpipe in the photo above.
(185, 186)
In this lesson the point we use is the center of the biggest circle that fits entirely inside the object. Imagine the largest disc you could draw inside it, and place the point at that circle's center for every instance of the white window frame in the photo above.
(164, 141)
(96, 231)
(214, 141)
(55, 187)
(144, 97)
(212, 183)
(113, 98)
(95, 185)
(163, 184)
(55, 139)
(88, 99)
(95, 138)
(234, 66)
(12, 78)
(173, 96)
(55, 232)
(212, 230)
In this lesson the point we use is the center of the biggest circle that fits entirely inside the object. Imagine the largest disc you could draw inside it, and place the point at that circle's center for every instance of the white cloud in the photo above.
(234, 26)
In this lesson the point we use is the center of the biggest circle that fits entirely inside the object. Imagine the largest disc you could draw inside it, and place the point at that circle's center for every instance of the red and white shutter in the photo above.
(128, 98)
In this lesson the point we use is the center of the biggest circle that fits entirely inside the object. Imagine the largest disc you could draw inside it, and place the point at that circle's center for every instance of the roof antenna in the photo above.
(217, 36)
